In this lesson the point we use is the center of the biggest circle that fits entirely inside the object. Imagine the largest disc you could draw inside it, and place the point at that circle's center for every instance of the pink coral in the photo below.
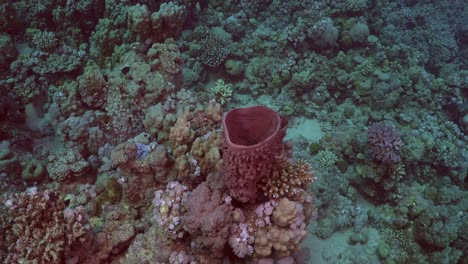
(168, 208)
(385, 143)
(241, 240)
(254, 140)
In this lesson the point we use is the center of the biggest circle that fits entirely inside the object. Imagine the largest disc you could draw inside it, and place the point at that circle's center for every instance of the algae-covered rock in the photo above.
(34, 171)
(7, 51)
(234, 67)
(9, 163)
(383, 250)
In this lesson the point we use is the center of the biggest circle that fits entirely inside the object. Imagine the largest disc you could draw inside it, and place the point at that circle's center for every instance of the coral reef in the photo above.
(155, 131)
(39, 220)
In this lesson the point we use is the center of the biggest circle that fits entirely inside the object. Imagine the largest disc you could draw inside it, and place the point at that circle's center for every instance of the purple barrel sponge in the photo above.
(385, 143)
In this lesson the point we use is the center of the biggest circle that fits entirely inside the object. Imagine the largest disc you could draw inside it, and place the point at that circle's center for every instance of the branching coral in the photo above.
(206, 151)
(39, 228)
(181, 133)
(167, 22)
(222, 91)
(195, 141)
(287, 179)
(241, 239)
(385, 143)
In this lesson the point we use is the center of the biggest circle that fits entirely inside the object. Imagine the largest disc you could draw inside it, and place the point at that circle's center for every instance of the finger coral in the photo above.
(287, 178)
(385, 143)
(284, 235)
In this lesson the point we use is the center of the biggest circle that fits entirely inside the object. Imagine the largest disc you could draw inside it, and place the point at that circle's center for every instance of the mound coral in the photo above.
(208, 218)
(286, 233)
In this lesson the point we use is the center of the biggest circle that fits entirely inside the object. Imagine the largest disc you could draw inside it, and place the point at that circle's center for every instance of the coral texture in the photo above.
(215, 47)
(38, 228)
(253, 141)
(168, 208)
(287, 232)
(208, 218)
(68, 166)
(385, 142)
(287, 179)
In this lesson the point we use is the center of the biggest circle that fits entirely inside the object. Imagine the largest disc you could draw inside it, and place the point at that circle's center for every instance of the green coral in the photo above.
(222, 91)
(267, 72)
(288, 109)
(326, 158)
(234, 67)
(111, 195)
